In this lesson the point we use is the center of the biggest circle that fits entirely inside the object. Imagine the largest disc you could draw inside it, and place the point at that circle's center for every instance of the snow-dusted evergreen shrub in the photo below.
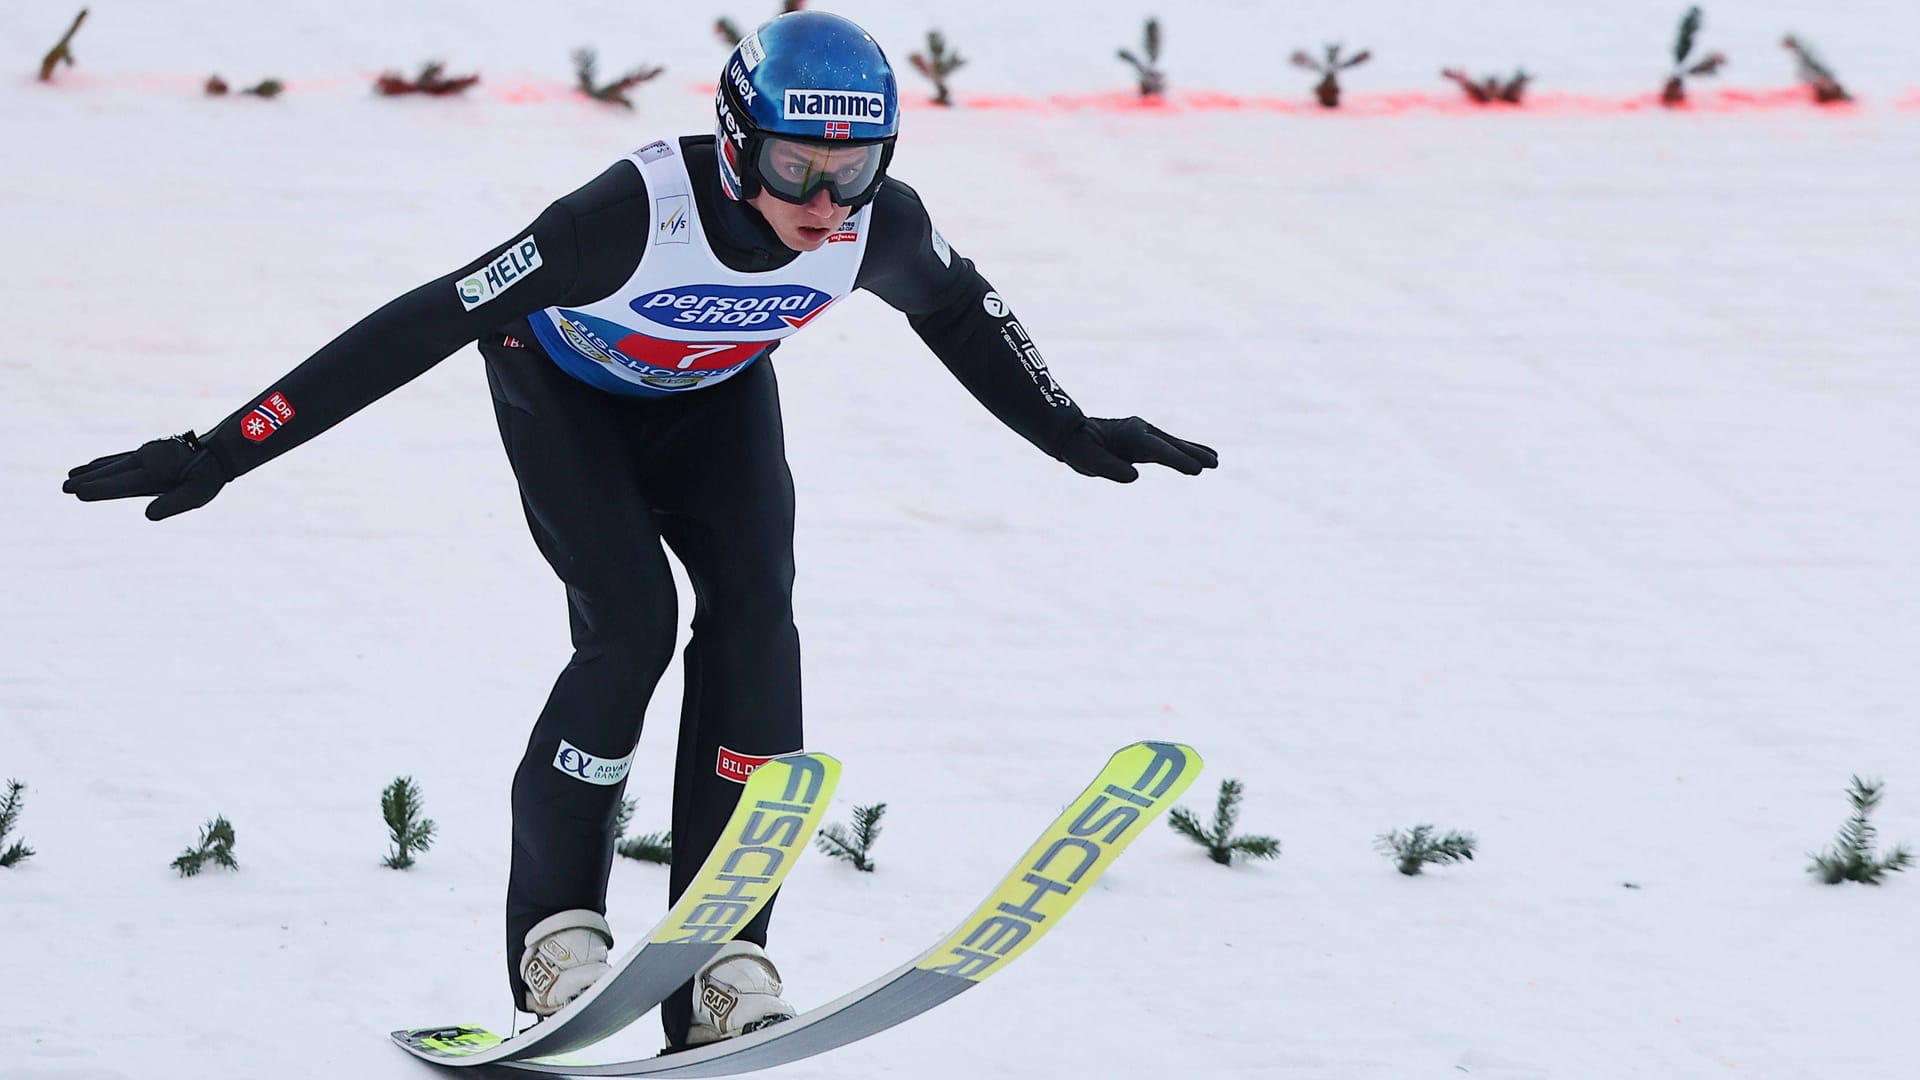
(18, 852)
(936, 64)
(1222, 846)
(400, 805)
(215, 846)
(1418, 846)
(1851, 858)
(1675, 91)
(854, 845)
(1153, 81)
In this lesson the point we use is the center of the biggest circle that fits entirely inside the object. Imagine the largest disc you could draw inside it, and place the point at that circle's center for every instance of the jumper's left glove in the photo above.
(1111, 448)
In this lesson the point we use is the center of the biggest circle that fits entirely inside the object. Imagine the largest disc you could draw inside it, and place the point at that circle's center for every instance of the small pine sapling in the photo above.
(1851, 858)
(1153, 82)
(1490, 90)
(266, 88)
(1675, 92)
(623, 817)
(400, 805)
(648, 847)
(216, 846)
(432, 81)
(1826, 88)
(854, 845)
(729, 31)
(17, 852)
(62, 52)
(936, 64)
(1327, 90)
(1417, 847)
(613, 93)
(1219, 841)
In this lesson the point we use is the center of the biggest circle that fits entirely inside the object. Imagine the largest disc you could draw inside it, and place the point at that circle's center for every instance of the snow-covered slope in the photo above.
(1566, 498)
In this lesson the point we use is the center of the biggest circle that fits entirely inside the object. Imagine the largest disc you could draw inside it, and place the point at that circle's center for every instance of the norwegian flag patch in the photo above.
(839, 129)
(266, 417)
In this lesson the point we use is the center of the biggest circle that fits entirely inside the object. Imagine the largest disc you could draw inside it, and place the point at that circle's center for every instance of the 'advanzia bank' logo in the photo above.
(733, 307)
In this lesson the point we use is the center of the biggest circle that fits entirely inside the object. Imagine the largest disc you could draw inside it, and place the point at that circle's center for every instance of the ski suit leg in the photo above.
(727, 513)
(574, 451)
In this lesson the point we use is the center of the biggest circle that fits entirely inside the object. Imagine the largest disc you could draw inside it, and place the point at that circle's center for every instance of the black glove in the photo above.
(181, 471)
(1110, 448)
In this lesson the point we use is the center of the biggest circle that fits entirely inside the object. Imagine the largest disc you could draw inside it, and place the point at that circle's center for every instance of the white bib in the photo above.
(684, 321)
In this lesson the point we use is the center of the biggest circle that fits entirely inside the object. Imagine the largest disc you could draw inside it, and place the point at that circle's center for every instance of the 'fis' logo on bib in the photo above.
(671, 213)
(735, 766)
(733, 307)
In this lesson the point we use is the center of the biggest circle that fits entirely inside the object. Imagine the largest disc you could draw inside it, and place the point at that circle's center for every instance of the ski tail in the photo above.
(1138, 784)
(778, 813)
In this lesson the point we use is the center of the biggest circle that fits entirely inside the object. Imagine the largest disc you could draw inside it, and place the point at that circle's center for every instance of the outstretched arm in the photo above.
(374, 357)
(976, 335)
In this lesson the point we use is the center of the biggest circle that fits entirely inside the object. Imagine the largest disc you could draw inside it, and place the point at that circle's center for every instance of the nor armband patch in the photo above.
(521, 258)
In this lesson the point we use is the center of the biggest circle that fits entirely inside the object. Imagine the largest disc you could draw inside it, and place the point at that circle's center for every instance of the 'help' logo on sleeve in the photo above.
(520, 259)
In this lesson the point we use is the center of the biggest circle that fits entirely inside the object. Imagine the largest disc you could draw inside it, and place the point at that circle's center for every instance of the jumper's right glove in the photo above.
(1110, 448)
(181, 470)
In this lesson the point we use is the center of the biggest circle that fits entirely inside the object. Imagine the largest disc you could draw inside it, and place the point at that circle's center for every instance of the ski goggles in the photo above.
(794, 171)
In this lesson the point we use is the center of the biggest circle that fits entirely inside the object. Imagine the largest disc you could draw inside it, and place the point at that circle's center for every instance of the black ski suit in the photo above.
(609, 482)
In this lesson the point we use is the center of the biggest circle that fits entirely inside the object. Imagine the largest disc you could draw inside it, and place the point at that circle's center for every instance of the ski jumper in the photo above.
(628, 337)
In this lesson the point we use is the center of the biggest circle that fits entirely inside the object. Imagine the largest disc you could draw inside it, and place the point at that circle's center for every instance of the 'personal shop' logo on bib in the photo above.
(733, 307)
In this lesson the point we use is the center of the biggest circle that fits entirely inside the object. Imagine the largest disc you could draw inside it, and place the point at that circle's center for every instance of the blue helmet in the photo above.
(806, 103)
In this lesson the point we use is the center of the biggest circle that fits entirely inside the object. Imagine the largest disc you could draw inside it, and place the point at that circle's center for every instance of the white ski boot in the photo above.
(736, 992)
(566, 953)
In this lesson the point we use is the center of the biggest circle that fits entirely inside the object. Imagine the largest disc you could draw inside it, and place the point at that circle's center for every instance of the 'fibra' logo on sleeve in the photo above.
(732, 307)
(581, 765)
(521, 258)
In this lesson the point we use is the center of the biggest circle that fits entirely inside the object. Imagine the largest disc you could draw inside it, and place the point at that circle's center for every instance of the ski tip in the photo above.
(809, 759)
(1165, 748)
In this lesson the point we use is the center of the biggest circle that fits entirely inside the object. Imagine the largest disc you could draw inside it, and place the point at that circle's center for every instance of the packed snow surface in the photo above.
(1567, 497)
